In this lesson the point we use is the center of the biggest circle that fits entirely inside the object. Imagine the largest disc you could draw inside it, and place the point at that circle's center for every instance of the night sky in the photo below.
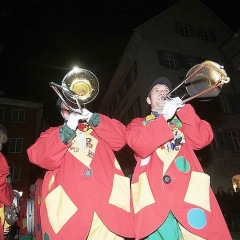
(40, 41)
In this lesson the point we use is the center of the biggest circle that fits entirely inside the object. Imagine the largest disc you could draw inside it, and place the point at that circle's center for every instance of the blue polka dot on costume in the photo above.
(197, 218)
(182, 164)
(38, 227)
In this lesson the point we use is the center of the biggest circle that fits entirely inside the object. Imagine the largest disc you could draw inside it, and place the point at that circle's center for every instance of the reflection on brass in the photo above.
(204, 80)
(79, 87)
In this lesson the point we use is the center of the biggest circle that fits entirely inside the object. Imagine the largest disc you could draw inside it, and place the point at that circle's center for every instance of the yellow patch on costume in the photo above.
(199, 185)
(116, 164)
(120, 195)
(142, 193)
(58, 214)
(2, 216)
(166, 157)
(100, 231)
(186, 235)
(51, 182)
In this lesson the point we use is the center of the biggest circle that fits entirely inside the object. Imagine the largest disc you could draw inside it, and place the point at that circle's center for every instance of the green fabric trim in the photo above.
(26, 237)
(94, 120)
(66, 134)
(168, 230)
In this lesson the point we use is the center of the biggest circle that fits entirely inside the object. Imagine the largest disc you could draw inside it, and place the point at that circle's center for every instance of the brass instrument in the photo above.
(203, 81)
(79, 87)
(11, 213)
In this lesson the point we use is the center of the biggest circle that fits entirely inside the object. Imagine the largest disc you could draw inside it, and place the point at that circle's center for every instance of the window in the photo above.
(16, 173)
(170, 60)
(236, 63)
(191, 62)
(124, 89)
(2, 111)
(136, 109)
(133, 72)
(213, 144)
(205, 35)
(185, 31)
(15, 145)
(224, 103)
(18, 115)
(235, 140)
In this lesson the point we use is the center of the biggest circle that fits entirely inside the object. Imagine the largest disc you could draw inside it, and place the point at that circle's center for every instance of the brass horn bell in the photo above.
(204, 81)
(79, 87)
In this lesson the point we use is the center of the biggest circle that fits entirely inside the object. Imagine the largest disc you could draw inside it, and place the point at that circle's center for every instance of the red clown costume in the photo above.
(168, 177)
(84, 185)
(6, 192)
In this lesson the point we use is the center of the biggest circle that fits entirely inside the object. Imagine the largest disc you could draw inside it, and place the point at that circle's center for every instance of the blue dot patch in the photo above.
(38, 227)
(182, 164)
(197, 218)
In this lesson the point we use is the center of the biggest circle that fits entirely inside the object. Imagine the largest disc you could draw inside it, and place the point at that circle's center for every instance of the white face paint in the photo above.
(157, 97)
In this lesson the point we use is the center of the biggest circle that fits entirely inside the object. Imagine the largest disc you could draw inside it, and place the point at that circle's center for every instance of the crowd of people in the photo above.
(85, 194)
(229, 203)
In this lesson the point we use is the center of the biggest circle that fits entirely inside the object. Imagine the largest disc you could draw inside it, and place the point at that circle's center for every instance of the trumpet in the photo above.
(79, 87)
(203, 81)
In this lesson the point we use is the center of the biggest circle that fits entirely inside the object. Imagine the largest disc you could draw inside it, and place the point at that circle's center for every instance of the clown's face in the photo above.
(157, 97)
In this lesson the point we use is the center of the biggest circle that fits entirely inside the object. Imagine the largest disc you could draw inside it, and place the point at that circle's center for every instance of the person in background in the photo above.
(222, 198)
(238, 206)
(26, 214)
(37, 205)
(233, 205)
(172, 197)
(6, 191)
(85, 194)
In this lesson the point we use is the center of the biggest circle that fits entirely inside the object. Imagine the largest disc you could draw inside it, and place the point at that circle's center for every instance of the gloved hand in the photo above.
(77, 115)
(171, 106)
(86, 115)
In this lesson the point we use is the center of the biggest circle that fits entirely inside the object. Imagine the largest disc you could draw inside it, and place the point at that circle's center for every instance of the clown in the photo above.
(172, 197)
(85, 194)
(6, 192)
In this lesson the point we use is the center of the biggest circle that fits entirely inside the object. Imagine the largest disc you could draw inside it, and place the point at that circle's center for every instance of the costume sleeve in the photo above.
(111, 131)
(198, 132)
(6, 192)
(47, 152)
(144, 140)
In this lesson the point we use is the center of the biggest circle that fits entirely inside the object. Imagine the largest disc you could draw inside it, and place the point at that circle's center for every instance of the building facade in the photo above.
(169, 45)
(23, 121)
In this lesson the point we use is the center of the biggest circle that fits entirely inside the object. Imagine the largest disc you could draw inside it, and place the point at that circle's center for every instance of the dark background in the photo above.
(40, 41)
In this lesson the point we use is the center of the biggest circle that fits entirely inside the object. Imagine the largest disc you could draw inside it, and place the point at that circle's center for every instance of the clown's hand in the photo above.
(171, 106)
(77, 115)
(86, 115)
